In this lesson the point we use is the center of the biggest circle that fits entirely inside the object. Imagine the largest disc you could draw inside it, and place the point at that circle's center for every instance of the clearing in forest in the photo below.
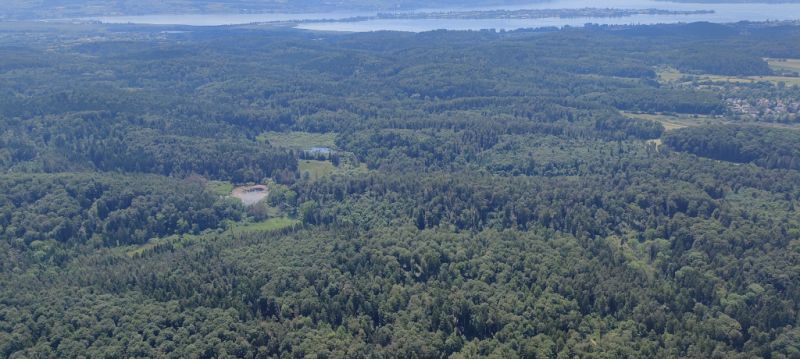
(299, 140)
(272, 224)
(784, 64)
(672, 75)
(672, 122)
(250, 195)
(220, 188)
(315, 169)
(269, 225)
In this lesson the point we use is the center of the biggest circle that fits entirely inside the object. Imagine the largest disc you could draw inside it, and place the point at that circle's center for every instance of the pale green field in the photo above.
(668, 74)
(784, 64)
(673, 122)
(272, 224)
(320, 169)
(673, 75)
(789, 81)
(306, 140)
(220, 188)
(298, 140)
(269, 225)
(315, 169)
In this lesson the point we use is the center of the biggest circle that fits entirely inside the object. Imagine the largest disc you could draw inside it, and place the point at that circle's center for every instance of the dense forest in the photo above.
(520, 194)
(766, 147)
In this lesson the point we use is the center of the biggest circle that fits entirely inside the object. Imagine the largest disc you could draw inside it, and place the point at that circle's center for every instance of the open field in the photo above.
(672, 75)
(155, 242)
(299, 140)
(784, 64)
(306, 141)
(220, 188)
(668, 74)
(272, 224)
(674, 122)
(315, 169)
(789, 81)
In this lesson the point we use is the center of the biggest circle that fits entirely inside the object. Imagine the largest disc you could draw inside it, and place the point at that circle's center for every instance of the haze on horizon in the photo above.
(54, 9)
(29, 9)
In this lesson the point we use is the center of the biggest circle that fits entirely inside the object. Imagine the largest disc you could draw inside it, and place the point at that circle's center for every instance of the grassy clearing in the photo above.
(299, 140)
(269, 225)
(673, 122)
(272, 224)
(789, 81)
(155, 242)
(668, 74)
(315, 169)
(784, 64)
(221, 188)
(353, 169)
(673, 75)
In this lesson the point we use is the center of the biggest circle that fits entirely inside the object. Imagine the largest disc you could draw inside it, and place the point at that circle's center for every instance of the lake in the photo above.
(723, 13)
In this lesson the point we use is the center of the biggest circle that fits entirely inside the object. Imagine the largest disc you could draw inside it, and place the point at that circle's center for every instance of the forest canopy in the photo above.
(621, 192)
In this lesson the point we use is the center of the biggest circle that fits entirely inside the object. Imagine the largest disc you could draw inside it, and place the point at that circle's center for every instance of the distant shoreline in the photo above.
(518, 14)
